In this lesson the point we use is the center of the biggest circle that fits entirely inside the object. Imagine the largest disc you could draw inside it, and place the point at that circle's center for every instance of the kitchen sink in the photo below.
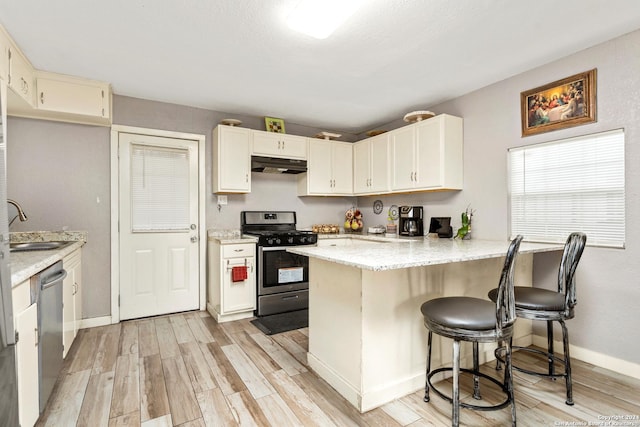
(37, 246)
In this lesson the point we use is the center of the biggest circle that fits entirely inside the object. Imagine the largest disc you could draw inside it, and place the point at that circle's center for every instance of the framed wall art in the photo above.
(274, 125)
(560, 104)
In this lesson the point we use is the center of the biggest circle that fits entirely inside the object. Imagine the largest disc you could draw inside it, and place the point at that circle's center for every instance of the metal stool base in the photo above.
(500, 357)
(502, 405)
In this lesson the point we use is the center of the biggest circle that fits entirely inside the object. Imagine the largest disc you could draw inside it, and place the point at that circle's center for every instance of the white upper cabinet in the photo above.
(329, 169)
(231, 160)
(50, 96)
(273, 144)
(72, 96)
(371, 165)
(427, 155)
(20, 75)
(4, 54)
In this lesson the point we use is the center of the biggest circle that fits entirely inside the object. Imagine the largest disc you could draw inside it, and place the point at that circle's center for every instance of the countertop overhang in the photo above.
(395, 254)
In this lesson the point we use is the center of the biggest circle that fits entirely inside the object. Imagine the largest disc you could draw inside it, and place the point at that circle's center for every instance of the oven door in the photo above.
(281, 271)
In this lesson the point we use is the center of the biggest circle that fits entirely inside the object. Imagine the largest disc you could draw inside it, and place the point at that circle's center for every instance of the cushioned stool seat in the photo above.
(461, 312)
(550, 306)
(474, 320)
(534, 298)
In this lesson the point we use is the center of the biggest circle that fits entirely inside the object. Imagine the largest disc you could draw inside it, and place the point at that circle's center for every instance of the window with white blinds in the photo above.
(159, 189)
(574, 184)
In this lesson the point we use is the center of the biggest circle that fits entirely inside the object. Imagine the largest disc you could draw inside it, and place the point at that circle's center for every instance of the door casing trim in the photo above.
(115, 210)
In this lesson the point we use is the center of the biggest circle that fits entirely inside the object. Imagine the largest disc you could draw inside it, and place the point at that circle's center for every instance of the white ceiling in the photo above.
(238, 56)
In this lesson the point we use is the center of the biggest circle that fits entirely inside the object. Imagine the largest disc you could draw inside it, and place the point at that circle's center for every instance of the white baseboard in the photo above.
(92, 322)
(365, 400)
(598, 359)
(221, 318)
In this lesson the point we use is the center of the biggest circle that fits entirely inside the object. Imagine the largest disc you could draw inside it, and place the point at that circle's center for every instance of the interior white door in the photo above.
(159, 259)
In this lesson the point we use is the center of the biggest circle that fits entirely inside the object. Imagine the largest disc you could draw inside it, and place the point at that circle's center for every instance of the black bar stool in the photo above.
(550, 306)
(475, 320)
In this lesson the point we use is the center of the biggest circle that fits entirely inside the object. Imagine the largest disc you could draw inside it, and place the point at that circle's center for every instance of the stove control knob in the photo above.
(290, 240)
(277, 241)
(313, 238)
(269, 241)
(303, 239)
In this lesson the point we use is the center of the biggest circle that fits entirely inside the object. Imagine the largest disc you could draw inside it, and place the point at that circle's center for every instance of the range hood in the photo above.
(277, 165)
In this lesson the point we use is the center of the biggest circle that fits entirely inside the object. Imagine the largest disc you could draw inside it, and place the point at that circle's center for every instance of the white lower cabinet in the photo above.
(228, 299)
(26, 324)
(71, 298)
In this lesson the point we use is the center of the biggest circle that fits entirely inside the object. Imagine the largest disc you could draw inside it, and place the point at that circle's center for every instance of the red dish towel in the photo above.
(239, 274)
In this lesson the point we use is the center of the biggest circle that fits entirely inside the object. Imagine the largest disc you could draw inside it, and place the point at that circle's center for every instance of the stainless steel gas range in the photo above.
(282, 277)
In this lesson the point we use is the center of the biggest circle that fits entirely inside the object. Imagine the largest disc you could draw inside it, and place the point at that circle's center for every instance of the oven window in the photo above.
(284, 268)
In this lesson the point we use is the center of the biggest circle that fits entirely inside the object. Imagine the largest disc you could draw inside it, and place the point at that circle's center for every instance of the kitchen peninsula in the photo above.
(366, 333)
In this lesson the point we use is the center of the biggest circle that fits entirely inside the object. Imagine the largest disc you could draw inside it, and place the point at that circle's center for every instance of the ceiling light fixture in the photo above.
(320, 18)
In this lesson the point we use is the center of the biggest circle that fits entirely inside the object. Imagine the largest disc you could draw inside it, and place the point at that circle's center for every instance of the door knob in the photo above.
(194, 239)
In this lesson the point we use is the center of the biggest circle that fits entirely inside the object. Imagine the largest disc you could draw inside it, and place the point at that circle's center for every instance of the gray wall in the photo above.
(608, 280)
(57, 172)
(608, 291)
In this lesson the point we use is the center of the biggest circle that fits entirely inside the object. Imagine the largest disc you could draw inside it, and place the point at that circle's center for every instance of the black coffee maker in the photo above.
(411, 222)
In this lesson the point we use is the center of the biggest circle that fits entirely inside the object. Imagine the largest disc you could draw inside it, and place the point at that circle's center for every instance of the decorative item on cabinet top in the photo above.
(231, 122)
(375, 132)
(327, 135)
(274, 125)
(417, 116)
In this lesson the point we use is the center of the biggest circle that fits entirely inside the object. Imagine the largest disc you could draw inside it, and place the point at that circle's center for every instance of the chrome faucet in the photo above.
(20, 214)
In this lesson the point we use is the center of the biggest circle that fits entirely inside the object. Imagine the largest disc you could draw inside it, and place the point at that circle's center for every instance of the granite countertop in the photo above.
(229, 237)
(394, 253)
(25, 264)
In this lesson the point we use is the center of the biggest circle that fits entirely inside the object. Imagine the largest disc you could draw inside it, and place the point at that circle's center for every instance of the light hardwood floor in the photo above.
(187, 370)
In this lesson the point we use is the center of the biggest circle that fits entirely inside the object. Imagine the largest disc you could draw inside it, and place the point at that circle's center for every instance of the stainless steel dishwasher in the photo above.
(49, 285)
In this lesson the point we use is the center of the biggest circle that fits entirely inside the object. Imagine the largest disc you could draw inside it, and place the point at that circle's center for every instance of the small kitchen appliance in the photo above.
(411, 222)
(282, 277)
(441, 226)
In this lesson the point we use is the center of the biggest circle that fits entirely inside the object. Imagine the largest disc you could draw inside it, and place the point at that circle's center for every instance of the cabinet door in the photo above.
(429, 153)
(232, 160)
(379, 175)
(74, 97)
(271, 144)
(72, 316)
(68, 318)
(238, 296)
(294, 147)
(361, 167)
(4, 54)
(439, 151)
(342, 167)
(403, 158)
(319, 176)
(27, 365)
(77, 296)
(20, 75)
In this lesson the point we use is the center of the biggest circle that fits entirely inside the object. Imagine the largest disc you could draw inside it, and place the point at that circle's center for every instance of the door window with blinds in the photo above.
(569, 185)
(159, 189)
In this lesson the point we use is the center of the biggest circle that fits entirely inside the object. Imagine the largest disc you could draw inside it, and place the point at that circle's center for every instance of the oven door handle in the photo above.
(296, 296)
(273, 248)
